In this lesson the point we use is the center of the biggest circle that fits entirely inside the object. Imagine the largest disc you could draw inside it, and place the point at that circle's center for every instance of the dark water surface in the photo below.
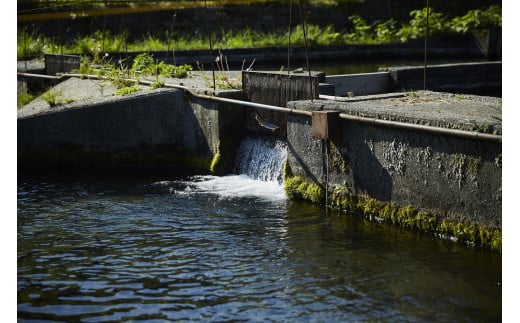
(101, 249)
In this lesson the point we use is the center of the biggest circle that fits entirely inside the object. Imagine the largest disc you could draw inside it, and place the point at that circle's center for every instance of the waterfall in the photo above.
(258, 173)
(261, 158)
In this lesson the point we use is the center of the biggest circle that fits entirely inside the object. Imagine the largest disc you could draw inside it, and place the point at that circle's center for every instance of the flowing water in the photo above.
(233, 248)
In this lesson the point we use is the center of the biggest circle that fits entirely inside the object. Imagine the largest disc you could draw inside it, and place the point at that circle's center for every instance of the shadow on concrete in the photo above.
(369, 176)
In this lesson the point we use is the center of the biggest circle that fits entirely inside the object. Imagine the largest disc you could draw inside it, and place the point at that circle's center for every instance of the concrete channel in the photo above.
(425, 160)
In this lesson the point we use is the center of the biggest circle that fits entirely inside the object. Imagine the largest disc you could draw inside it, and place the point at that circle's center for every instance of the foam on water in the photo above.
(232, 186)
(258, 173)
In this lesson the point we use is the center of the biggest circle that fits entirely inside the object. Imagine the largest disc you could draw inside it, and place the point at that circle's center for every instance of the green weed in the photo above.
(23, 99)
(52, 96)
(359, 32)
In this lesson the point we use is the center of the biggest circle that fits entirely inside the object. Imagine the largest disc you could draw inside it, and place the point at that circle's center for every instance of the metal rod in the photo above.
(170, 38)
(289, 40)
(426, 42)
(304, 27)
(210, 45)
(326, 142)
(365, 120)
(422, 128)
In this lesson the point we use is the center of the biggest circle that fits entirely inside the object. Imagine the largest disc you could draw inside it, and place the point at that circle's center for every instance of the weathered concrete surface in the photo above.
(482, 78)
(476, 78)
(454, 178)
(445, 110)
(55, 64)
(360, 84)
(162, 128)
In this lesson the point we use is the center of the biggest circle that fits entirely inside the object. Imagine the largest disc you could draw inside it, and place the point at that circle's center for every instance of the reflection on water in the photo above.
(203, 250)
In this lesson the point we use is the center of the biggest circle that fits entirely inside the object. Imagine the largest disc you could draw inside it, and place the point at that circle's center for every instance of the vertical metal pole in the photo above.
(60, 30)
(426, 42)
(304, 26)
(170, 37)
(125, 37)
(104, 29)
(289, 39)
(210, 45)
(327, 143)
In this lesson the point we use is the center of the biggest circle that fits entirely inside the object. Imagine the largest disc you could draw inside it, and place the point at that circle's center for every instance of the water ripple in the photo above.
(150, 253)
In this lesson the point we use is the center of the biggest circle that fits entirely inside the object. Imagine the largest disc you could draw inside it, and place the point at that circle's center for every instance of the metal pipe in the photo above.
(365, 120)
(42, 76)
(253, 104)
(422, 128)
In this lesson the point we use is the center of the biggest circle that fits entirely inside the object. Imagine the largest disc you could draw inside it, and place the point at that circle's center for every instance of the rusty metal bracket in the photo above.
(326, 124)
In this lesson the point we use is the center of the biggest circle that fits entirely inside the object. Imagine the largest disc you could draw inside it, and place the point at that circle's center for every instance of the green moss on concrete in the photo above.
(215, 161)
(406, 216)
(336, 160)
(223, 160)
(297, 188)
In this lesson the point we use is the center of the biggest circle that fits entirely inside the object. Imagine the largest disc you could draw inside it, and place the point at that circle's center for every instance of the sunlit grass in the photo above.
(361, 32)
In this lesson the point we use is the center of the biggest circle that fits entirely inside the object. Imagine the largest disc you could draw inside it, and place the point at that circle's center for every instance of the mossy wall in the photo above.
(444, 185)
(406, 216)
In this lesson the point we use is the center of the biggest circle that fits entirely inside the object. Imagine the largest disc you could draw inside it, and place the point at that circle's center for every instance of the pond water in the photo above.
(100, 248)
(203, 249)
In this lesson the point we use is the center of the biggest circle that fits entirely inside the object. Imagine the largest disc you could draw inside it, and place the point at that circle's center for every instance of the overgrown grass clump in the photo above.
(359, 32)
(23, 99)
(127, 79)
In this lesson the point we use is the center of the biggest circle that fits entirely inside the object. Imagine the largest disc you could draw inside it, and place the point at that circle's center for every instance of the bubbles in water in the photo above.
(261, 158)
(240, 186)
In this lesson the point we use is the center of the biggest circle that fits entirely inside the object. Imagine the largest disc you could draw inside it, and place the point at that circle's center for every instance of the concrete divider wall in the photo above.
(55, 63)
(159, 129)
(360, 84)
(453, 178)
(483, 78)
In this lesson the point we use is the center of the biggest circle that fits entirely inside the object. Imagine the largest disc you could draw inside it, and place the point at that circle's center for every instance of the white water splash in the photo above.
(259, 174)
(232, 186)
(262, 159)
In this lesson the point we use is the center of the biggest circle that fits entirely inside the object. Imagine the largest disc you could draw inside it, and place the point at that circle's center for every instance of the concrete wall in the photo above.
(360, 84)
(456, 179)
(160, 129)
(61, 63)
(484, 78)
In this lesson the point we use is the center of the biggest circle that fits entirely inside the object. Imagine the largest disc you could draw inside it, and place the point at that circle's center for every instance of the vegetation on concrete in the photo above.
(127, 79)
(54, 97)
(23, 99)
(381, 32)
(405, 216)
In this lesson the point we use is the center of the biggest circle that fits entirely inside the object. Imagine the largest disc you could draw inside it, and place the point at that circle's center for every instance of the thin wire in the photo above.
(104, 31)
(327, 143)
(304, 25)
(289, 39)
(169, 38)
(426, 42)
(210, 45)
(125, 36)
